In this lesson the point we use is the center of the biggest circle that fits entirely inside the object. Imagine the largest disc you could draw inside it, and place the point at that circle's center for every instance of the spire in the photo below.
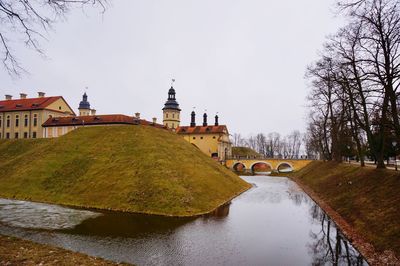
(193, 120)
(205, 120)
(84, 104)
(171, 103)
(216, 120)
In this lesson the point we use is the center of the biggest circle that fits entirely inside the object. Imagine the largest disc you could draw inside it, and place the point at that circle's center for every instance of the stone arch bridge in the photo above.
(266, 165)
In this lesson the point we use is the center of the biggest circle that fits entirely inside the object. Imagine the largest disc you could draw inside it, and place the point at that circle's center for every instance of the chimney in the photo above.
(193, 121)
(205, 120)
(216, 120)
(154, 120)
(8, 97)
(41, 94)
(93, 112)
(137, 115)
(22, 95)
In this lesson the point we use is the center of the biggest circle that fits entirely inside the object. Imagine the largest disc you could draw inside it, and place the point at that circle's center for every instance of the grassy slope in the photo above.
(14, 251)
(367, 198)
(138, 169)
(244, 151)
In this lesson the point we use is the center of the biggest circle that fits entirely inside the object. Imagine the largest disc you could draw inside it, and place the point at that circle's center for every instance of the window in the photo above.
(166, 115)
(59, 107)
(35, 120)
(8, 121)
(194, 137)
(7, 135)
(173, 115)
(213, 137)
(25, 135)
(26, 121)
(16, 135)
(17, 121)
(34, 135)
(1, 122)
(201, 137)
(173, 125)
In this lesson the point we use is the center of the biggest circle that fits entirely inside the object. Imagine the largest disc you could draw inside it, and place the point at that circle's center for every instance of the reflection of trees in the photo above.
(329, 246)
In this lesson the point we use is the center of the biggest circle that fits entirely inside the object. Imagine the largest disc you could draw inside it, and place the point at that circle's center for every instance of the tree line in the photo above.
(273, 145)
(354, 97)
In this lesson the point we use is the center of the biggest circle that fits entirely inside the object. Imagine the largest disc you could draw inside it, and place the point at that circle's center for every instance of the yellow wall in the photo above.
(31, 129)
(211, 143)
(171, 118)
(274, 163)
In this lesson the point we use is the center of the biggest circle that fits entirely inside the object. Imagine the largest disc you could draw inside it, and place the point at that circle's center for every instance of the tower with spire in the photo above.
(84, 106)
(171, 110)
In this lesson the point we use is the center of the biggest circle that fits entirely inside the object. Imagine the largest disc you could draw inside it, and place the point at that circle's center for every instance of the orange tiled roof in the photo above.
(27, 104)
(202, 129)
(96, 120)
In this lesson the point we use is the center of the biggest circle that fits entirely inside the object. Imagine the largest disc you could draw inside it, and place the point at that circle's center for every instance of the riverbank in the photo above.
(364, 202)
(15, 251)
(138, 169)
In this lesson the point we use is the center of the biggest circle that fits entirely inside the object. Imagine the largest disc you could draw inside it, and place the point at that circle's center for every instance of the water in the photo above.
(274, 223)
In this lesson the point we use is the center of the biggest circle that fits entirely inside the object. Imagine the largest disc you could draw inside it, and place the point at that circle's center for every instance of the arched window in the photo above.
(166, 115)
(17, 121)
(8, 121)
(173, 115)
(26, 121)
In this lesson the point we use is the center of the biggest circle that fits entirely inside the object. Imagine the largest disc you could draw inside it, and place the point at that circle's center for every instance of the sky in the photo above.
(244, 59)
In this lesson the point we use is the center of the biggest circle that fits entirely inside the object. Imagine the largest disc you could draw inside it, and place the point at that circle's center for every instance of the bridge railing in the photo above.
(258, 157)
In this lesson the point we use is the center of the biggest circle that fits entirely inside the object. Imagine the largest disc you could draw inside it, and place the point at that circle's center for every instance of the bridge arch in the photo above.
(239, 167)
(285, 167)
(263, 167)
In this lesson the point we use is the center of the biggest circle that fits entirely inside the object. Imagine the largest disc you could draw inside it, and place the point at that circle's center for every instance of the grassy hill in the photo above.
(128, 168)
(366, 197)
(244, 151)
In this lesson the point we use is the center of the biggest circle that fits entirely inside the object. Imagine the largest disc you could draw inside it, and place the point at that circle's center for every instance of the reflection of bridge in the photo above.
(266, 165)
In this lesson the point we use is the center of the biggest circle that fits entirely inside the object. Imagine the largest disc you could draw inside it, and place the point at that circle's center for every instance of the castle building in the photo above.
(171, 111)
(58, 126)
(23, 117)
(84, 106)
(213, 140)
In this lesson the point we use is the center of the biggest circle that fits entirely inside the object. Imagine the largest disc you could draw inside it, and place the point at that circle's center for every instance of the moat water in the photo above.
(274, 223)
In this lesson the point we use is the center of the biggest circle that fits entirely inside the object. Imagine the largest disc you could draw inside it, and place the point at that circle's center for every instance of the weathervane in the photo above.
(172, 82)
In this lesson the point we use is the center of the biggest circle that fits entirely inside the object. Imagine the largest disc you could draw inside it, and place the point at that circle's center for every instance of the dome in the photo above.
(171, 103)
(84, 104)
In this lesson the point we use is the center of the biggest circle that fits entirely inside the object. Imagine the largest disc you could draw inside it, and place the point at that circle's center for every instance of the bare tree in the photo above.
(30, 20)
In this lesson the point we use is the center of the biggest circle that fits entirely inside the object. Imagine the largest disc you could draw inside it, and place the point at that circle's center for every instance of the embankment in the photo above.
(14, 251)
(368, 201)
(126, 168)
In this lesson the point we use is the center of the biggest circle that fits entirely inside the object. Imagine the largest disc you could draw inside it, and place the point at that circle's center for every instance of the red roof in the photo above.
(27, 104)
(202, 130)
(96, 120)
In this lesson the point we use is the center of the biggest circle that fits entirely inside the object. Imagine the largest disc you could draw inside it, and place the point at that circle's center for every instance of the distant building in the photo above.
(171, 111)
(212, 140)
(23, 117)
(58, 126)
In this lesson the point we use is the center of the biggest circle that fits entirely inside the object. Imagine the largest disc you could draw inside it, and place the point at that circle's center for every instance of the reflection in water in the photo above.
(328, 245)
(274, 223)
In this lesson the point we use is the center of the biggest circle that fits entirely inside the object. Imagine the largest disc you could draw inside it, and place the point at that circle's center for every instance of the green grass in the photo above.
(244, 151)
(127, 168)
(367, 198)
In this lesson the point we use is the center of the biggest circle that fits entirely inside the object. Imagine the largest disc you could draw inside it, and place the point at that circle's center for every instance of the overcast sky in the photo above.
(245, 59)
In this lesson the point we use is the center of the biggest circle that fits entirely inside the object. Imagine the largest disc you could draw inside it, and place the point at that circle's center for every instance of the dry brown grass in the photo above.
(18, 252)
(367, 198)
